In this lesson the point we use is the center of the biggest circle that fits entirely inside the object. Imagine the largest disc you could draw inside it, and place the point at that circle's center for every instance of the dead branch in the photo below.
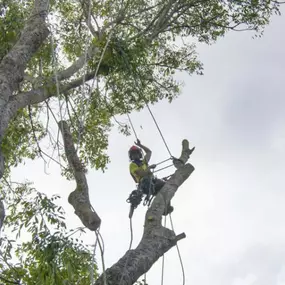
(79, 198)
(156, 239)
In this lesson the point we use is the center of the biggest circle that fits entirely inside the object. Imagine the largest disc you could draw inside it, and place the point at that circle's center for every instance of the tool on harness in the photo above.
(136, 197)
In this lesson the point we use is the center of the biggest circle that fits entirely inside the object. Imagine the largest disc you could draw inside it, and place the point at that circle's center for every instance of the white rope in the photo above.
(82, 117)
(84, 68)
(93, 259)
(55, 68)
(179, 254)
(101, 246)
(96, 72)
(162, 264)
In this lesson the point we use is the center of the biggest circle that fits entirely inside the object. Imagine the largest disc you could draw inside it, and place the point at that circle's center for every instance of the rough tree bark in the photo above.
(13, 65)
(12, 68)
(79, 198)
(156, 239)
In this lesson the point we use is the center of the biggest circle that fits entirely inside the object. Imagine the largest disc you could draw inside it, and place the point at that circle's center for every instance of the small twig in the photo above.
(35, 138)
(47, 123)
(68, 110)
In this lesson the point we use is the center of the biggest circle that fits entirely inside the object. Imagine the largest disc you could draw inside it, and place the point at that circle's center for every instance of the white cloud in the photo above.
(281, 276)
(248, 280)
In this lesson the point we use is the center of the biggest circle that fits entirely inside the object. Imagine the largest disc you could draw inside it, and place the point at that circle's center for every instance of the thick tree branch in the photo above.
(156, 239)
(79, 198)
(78, 64)
(14, 63)
(41, 94)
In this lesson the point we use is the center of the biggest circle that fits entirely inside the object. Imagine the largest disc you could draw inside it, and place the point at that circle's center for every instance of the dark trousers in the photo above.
(150, 185)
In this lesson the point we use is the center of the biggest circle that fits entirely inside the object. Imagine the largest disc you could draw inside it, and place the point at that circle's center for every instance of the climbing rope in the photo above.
(136, 136)
(81, 122)
(102, 259)
(55, 71)
(98, 236)
(132, 234)
(131, 123)
(137, 78)
(162, 265)
(160, 169)
(158, 128)
(93, 259)
(179, 254)
(130, 247)
(163, 161)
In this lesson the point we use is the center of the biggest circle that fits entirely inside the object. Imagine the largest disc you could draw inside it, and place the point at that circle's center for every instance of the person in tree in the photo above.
(142, 174)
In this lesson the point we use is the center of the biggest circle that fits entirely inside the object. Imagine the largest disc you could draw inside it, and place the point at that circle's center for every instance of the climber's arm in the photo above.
(146, 150)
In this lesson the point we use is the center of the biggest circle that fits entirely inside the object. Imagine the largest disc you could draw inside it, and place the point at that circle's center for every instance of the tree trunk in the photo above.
(156, 239)
(13, 65)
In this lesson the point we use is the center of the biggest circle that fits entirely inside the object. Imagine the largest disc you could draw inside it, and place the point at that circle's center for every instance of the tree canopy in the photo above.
(86, 62)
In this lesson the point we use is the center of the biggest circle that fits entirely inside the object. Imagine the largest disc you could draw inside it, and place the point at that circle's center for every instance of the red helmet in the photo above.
(134, 149)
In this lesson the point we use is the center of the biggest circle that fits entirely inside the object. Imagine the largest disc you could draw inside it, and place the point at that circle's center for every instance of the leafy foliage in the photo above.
(12, 17)
(20, 141)
(139, 58)
(140, 46)
(46, 252)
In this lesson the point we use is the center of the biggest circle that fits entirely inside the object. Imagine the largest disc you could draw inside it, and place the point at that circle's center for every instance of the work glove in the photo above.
(138, 143)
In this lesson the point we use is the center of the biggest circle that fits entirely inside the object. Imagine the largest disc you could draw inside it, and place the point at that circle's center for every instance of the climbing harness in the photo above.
(136, 196)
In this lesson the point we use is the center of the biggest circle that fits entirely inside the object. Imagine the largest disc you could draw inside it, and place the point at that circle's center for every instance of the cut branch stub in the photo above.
(185, 154)
(79, 198)
(156, 239)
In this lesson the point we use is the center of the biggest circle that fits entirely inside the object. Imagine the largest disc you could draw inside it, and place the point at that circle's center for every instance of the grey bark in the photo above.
(156, 239)
(79, 198)
(12, 67)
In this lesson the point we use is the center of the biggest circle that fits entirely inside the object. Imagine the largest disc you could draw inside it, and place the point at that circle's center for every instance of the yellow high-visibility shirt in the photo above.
(136, 166)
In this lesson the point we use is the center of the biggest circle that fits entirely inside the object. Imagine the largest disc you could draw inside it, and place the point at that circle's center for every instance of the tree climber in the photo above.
(142, 174)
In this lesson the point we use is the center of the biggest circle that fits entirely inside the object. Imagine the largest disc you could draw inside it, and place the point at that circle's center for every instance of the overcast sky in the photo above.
(232, 206)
